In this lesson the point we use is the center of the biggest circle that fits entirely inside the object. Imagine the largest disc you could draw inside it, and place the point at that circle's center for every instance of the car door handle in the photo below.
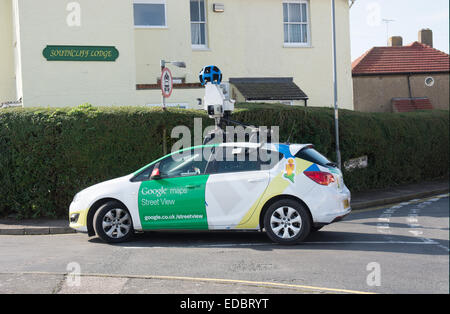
(192, 186)
(255, 180)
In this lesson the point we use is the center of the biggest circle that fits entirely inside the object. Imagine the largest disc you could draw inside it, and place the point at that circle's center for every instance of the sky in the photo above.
(368, 30)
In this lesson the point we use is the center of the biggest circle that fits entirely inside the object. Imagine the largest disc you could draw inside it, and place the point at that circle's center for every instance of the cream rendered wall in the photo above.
(247, 41)
(7, 71)
(70, 83)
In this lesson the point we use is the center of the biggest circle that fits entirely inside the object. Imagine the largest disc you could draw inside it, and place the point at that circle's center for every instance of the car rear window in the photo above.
(312, 155)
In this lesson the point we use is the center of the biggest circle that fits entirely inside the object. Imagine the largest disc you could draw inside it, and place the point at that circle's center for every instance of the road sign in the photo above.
(166, 83)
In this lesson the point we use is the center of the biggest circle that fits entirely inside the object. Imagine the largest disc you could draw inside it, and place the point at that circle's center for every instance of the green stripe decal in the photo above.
(175, 203)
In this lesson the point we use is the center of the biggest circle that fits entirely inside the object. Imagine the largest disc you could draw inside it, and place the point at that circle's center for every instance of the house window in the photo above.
(198, 23)
(296, 23)
(150, 13)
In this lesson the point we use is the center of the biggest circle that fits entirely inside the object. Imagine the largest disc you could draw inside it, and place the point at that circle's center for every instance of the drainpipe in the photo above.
(410, 88)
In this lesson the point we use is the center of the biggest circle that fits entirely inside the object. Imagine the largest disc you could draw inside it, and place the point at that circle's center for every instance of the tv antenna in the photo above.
(387, 21)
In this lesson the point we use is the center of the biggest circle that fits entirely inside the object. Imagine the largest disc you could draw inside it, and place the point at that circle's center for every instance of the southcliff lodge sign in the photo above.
(81, 53)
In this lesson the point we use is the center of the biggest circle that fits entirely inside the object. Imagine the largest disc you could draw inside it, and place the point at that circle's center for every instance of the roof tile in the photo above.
(414, 58)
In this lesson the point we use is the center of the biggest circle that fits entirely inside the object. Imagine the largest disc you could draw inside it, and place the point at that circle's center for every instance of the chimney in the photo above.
(426, 37)
(395, 41)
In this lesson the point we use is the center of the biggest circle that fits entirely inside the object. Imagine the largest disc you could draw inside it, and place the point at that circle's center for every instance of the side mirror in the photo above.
(156, 175)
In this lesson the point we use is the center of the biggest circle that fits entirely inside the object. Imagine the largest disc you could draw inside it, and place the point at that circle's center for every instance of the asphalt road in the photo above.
(402, 248)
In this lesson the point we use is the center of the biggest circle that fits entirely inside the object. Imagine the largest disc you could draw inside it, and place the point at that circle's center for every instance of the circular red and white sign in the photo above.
(166, 82)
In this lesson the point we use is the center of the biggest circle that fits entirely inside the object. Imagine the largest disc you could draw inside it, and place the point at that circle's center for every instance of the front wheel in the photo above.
(287, 222)
(112, 223)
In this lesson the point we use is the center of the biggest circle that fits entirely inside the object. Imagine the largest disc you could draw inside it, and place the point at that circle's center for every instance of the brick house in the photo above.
(402, 78)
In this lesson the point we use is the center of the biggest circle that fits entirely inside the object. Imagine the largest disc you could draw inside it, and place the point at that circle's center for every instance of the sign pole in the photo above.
(166, 83)
(166, 91)
(163, 66)
(336, 109)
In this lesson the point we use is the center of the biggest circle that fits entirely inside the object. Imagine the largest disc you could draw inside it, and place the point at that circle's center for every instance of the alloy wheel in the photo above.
(116, 223)
(286, 222)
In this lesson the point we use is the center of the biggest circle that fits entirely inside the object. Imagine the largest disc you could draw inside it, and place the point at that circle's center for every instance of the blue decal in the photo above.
(313, 167)
(284, 149)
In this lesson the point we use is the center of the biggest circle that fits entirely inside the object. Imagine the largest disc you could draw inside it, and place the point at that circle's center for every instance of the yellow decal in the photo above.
(276, 187)
(290, 167)
(82, 219)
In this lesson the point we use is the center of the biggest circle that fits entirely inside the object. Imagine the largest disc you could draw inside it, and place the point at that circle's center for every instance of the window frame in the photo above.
(307, 23)
(203, 46)
(164, 2)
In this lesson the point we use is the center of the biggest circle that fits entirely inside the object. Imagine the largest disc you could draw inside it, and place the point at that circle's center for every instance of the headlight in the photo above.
(74, 218)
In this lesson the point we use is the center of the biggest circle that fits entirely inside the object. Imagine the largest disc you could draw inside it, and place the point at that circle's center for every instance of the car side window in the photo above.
(188, 163)
(310, 154)
(241, 159)
(144, 175)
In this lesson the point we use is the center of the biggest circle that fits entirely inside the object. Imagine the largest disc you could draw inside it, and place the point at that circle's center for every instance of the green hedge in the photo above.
(47, 155)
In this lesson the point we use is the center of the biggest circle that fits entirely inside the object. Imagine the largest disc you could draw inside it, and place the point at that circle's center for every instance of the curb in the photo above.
(397, 199)
(37, 231)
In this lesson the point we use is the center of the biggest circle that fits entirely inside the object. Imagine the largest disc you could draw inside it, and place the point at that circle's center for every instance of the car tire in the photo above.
(287, 222)
(113, 223)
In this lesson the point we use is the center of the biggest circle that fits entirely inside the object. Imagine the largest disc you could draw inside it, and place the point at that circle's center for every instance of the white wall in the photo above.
(247, 41)
(244, 41)
(70, 83)
(7, 70)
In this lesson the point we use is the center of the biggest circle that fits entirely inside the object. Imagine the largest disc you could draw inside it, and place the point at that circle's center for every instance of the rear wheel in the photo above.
(287, 222)
(112, 223)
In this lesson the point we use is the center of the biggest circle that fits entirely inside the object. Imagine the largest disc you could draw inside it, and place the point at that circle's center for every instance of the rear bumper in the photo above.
(341, 217)
(332, 218)
(328, 205)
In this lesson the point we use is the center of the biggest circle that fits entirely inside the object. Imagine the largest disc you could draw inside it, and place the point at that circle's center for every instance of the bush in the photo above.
(48, 155)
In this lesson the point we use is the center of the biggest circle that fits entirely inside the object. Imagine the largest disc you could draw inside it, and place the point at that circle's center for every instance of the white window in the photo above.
(150, 13)
(296, 23)
(198, 24)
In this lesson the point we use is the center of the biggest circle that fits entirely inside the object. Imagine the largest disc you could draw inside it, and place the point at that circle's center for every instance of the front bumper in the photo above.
(78, 218)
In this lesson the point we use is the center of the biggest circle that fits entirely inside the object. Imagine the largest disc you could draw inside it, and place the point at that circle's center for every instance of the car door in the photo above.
(235, 185)
(176, 199)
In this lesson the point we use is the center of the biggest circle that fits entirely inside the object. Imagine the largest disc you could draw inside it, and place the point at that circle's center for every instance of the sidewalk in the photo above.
(359, 201)
(398, 194)
(34, 227)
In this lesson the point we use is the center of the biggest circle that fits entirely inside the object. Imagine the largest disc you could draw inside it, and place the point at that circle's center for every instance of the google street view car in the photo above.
(286, 190)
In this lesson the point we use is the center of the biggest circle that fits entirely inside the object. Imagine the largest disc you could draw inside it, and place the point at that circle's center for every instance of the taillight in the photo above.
(322, 178)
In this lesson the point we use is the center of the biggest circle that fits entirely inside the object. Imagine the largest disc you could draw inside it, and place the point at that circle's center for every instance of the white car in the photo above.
(288, 190)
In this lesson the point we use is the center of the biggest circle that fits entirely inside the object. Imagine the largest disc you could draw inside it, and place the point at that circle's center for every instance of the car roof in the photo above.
(291, 149)
(288, 150)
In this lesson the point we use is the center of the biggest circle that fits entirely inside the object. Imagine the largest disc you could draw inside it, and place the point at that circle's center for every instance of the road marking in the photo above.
(414, 225)
(413, 201)
(384, 228)
(266, 284)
